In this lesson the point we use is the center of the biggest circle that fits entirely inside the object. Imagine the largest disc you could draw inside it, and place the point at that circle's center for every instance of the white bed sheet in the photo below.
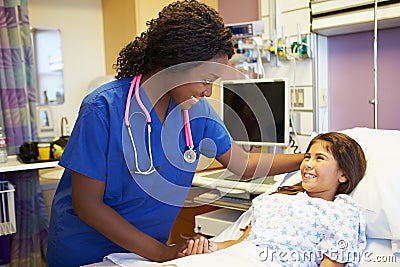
(377, 253)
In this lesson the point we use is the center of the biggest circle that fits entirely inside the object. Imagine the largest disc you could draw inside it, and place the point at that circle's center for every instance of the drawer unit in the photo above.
(214, 222)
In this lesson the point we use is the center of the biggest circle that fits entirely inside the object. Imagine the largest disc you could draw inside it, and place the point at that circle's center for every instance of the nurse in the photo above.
(131, 157)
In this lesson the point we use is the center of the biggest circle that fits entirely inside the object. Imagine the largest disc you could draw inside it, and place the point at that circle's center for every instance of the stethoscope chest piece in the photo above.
(190, 155)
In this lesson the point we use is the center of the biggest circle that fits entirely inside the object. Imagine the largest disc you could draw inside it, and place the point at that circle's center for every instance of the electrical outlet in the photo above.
(300, 98)
(297, 98)
(323, 97)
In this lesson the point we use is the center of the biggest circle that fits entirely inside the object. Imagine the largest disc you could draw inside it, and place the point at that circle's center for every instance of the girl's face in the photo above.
(320, 172)
(188, 94)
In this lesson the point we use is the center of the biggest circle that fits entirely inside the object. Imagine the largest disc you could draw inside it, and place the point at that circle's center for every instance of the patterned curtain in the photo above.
(29, 244)
(17, 117)
(17, 78)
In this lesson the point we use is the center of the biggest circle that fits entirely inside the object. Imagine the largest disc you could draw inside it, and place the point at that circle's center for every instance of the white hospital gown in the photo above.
(299, 230)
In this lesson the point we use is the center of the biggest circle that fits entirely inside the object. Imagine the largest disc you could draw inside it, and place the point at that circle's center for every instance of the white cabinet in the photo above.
(335, 17)
(215, 222)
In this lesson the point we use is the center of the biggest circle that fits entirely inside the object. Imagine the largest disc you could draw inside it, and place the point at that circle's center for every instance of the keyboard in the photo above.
(236, 200)
(215, 199)
(226, 179)
(226, 174)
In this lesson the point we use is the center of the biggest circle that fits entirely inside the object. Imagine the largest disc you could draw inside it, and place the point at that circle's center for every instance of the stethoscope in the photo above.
(189, 155)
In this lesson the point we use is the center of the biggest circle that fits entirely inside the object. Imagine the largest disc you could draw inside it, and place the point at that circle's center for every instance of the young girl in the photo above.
(315, 222)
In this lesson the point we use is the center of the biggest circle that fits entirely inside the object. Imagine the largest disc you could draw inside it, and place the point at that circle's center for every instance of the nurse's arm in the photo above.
(87, 202)
(247, 164)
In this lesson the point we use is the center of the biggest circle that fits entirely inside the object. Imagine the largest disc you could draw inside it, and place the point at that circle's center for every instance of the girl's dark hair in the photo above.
(184, 31)
(350, 158)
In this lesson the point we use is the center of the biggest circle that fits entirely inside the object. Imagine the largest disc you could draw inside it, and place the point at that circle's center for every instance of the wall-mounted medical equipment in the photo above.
(249, 48)
(253, 49)
(256, 112)
(247, 29)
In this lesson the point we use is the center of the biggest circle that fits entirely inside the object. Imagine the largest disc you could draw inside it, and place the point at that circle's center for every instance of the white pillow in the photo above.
(378, 193)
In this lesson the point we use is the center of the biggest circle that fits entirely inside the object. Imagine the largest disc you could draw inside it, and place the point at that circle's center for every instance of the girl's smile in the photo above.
(321, 175)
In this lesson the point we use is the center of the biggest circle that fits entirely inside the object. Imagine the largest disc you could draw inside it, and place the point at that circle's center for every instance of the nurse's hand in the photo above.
(200, 245)
(174, 251)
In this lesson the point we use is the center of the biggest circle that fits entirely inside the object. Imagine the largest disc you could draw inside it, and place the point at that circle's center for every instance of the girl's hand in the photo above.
(200, 245)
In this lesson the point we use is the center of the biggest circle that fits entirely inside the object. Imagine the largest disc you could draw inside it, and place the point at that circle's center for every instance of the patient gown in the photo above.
(299, 230)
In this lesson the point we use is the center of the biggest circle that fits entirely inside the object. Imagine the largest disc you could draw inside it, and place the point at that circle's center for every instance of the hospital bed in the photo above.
(378, 196)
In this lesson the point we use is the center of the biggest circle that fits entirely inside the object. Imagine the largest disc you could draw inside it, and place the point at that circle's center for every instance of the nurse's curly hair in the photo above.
(184, 31)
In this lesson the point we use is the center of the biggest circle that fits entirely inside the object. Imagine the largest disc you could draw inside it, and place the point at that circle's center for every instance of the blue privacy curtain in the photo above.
(17, 117)
(29, 243)
(17, 76)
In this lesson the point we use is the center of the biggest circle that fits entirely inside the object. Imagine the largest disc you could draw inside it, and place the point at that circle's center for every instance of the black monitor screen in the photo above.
(256, 112)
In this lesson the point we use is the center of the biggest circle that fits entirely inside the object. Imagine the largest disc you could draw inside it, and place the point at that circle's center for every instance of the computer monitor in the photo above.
(256, 111)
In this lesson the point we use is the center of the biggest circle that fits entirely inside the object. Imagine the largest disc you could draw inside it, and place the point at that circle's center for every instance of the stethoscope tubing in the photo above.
(189, 155)
(188, 131)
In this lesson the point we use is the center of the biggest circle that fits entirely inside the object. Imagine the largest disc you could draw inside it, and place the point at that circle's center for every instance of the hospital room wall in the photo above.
(292, 18)
(292, 15)
(235, 11)
(84, 40)
(92, 37)
(92, 32)
(340, 101)
(127, 19)
(352, 80)
(91, 41)
(81, 26)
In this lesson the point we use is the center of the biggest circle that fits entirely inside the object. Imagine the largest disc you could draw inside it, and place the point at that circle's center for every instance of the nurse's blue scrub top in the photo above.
(99, 147)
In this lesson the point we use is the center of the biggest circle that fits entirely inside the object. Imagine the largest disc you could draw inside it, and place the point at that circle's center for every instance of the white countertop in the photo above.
(13, 164)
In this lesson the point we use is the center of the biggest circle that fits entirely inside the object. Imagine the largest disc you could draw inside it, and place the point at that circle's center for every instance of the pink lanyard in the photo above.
(190, 154)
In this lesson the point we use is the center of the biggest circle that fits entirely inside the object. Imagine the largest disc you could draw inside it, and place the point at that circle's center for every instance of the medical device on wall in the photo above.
(256, 112)
(247, 29)
(249, 48)
(189, 155)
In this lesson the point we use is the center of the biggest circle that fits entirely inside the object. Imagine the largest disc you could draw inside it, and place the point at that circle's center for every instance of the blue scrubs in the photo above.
(99, 147)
